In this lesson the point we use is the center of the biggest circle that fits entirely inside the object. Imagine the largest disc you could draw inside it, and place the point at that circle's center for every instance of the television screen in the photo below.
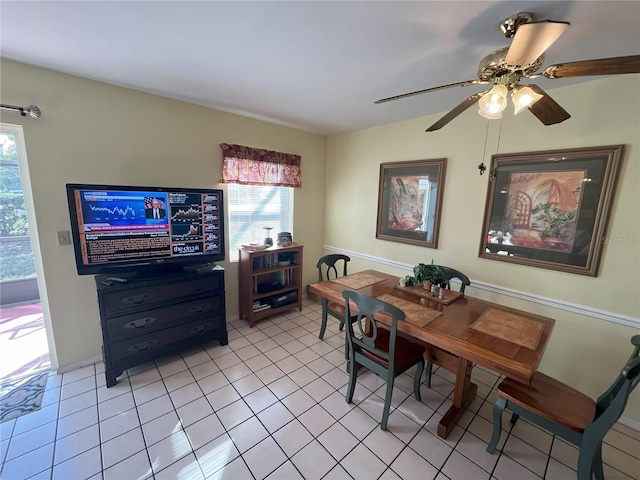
(127, 228)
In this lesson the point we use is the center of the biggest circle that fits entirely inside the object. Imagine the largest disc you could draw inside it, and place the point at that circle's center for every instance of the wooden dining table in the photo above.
(458, 331)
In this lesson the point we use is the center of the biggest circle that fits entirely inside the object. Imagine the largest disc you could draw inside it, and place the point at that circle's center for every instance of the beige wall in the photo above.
(91, 132)
(584, 351)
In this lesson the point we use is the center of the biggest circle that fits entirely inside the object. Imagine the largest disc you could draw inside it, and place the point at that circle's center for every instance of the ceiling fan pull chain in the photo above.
(494, 171)
(482, 167)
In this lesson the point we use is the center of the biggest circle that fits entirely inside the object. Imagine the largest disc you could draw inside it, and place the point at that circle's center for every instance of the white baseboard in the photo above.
(76, 365)
(626, 421)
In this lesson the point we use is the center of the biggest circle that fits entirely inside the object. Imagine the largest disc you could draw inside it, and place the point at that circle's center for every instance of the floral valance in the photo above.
(254, 166)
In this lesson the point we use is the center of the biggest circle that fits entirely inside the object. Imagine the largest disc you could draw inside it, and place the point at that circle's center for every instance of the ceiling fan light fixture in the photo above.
(493, 102)
(489, 115)
(523, 98)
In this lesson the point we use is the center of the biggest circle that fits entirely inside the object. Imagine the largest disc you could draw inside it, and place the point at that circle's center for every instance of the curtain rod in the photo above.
(31, 110)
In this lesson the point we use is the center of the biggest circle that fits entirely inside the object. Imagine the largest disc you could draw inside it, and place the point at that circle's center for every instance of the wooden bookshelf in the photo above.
(270, 281)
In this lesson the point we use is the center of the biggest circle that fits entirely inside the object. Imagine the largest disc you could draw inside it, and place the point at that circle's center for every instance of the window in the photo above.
(259, 194)
(15, 244)
(251, 207)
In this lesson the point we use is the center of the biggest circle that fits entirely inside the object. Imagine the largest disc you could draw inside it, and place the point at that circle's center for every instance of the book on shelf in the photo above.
(253, 247)
(261, 307)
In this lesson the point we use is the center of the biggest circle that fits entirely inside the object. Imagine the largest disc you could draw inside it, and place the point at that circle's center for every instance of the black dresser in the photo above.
(146, 318)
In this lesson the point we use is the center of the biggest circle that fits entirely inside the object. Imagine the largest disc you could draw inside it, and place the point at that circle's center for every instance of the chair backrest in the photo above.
(363, 333)
(327, 268)
(450, 273)
(611, 404)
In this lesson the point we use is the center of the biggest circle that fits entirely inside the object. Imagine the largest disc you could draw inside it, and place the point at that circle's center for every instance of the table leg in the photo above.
(463, 394)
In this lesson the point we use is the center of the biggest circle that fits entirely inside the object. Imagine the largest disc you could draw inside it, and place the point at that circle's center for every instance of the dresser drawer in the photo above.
(158, 318)
(145, 344)
(147, 296)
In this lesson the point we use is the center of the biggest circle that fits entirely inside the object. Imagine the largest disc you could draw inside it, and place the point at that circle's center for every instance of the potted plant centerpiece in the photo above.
(427, 275)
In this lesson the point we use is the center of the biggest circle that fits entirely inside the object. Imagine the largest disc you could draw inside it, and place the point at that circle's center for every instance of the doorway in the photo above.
(23, 337)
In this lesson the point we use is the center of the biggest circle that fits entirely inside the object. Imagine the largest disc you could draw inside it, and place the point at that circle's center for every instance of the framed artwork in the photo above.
(410, 201)
(550, 209)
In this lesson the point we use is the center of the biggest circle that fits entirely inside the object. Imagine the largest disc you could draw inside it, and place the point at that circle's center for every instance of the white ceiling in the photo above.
(316, 66)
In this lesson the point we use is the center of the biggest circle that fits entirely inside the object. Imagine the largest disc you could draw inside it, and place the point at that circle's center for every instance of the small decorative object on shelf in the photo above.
(284, 239)
(268, 241)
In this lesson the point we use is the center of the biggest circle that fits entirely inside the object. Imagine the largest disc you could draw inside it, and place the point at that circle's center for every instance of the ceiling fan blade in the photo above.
(547, 109)
(456, 111)
(600, 66)
(532, 40)
(432, 89)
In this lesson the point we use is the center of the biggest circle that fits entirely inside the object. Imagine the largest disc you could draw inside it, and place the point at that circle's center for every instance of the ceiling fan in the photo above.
(505, 68)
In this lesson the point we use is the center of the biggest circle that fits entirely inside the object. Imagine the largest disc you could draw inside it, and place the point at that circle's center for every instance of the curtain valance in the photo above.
(255, 166)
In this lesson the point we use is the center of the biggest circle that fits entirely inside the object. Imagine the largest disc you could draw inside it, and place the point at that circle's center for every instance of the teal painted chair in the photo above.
(331, 267)
(449, 274)
(379, 349)
(568, 413)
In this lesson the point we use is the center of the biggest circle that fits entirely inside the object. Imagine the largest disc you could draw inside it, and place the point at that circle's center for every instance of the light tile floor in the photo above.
(271, 405)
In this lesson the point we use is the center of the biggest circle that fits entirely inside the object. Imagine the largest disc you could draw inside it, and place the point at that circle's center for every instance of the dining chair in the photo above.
(331, 267)
(568, 413)
(449, 273)
(379, 349)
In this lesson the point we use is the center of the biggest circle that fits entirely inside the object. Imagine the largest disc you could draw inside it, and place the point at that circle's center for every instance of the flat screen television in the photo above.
(144, 229)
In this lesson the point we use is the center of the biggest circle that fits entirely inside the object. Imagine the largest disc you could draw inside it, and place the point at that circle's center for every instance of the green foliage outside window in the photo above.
(16, 260)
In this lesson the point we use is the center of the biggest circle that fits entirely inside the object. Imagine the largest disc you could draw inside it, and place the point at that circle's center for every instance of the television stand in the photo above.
(149, 272)
(145, 317)
(202, 267)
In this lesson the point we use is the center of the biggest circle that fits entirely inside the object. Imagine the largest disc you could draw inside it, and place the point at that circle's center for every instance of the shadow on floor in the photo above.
(23, 341)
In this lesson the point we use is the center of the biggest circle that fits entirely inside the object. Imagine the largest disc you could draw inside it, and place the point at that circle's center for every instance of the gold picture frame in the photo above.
(549, 209)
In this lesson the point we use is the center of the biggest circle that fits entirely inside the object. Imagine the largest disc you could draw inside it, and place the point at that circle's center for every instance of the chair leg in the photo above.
(429, 371)
(341, 325)
(498, 408)
(387, 402)
(514, 418)
(597, 463)
(323, 327)
(416, 380)
(596, 466)
(590, 459)
(346, 348)
(585, 460)
(353, 373)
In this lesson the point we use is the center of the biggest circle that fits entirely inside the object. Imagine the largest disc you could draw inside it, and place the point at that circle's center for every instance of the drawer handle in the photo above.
(137, 299)
(199, 288)
(199, 308)
(200, 329)
(140, 322)
(142, 347)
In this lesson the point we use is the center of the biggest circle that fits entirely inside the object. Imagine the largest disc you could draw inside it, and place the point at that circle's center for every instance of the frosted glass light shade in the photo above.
(489, 115)
(523, 98)
(493, 102)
